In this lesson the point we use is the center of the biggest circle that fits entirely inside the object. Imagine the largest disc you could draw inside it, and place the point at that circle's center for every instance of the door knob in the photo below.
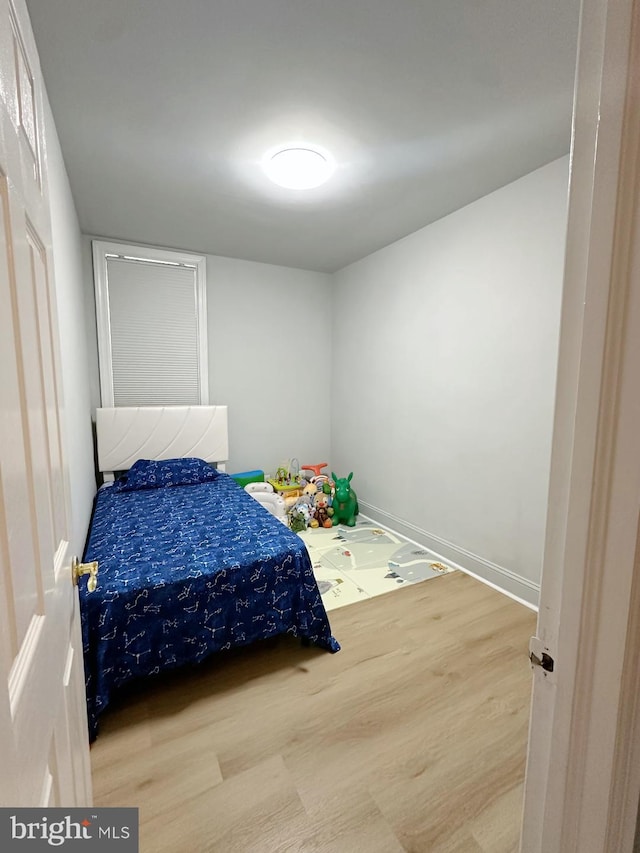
(91, 569)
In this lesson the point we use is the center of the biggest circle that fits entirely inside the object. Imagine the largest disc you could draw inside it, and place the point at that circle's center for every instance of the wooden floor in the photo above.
(411, 738)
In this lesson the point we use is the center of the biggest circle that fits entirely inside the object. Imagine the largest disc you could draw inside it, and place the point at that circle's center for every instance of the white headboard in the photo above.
(128, 433)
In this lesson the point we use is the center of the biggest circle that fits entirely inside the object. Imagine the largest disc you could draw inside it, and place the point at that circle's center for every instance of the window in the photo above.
(152, 326)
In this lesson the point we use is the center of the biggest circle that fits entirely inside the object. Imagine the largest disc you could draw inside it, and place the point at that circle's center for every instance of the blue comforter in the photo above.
(185, 570)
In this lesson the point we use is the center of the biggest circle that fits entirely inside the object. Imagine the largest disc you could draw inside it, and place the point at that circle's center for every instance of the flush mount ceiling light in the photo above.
(298, 167)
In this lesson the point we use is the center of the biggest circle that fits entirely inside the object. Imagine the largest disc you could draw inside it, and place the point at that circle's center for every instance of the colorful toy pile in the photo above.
(312, 499)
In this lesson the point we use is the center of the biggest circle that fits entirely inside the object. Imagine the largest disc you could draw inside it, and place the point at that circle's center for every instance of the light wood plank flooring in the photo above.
(411, 738)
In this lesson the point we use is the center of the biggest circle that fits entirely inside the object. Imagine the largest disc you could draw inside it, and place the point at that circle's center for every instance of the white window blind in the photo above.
(151, 327)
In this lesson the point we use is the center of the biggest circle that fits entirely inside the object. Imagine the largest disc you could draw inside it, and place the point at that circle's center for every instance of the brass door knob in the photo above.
(91, 569)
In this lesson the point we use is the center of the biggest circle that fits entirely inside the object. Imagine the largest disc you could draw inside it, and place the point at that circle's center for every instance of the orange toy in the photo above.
(316, 468)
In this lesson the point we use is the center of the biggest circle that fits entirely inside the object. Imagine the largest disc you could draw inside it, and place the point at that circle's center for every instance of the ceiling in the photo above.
(165, 109)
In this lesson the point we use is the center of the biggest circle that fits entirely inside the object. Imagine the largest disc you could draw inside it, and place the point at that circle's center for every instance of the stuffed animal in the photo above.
(297, 520)
(321, 510)
(299, 516)
(345, 501)
(309, 494)
(321, 515)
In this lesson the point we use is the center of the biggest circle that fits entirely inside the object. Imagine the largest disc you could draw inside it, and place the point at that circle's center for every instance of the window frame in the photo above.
(101, 249)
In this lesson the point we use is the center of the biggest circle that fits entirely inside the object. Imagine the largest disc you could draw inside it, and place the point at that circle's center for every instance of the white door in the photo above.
(583, 769)
(44, 757)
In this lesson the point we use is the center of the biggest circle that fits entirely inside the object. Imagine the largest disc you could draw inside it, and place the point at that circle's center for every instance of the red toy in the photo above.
(315, 468)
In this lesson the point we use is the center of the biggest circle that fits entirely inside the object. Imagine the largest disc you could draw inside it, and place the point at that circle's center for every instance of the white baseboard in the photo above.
(504, 580)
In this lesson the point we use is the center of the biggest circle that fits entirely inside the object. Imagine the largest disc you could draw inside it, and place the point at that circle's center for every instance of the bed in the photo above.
(189, 563)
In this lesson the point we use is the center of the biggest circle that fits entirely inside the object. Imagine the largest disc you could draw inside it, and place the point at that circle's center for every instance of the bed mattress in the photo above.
(186, 570)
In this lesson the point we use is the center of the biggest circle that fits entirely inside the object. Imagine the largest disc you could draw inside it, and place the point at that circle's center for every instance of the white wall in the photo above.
(269, 359)
(74, 348)
(427, 368)
(443, 382)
